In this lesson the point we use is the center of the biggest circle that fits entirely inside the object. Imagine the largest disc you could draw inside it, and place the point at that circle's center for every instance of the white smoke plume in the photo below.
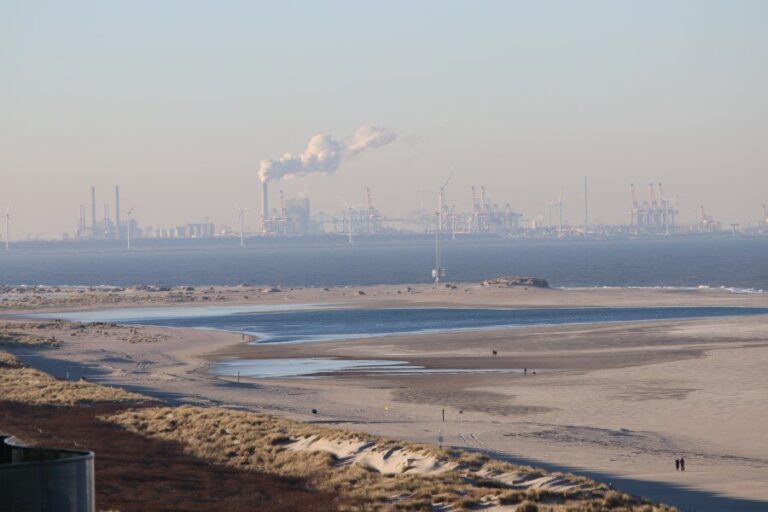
(324, 153)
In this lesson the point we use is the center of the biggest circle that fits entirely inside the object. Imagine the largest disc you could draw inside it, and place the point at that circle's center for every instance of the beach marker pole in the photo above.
(238, 376)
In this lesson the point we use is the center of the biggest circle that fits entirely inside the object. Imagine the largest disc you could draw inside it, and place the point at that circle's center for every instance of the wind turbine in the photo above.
(240, 217)
(7, 229)
(441, 201)
(438, 271)
(128, 226)
(349, 219)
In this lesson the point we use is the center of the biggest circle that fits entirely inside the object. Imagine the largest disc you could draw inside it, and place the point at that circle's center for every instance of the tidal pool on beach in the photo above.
(311, 322)
(303, 367)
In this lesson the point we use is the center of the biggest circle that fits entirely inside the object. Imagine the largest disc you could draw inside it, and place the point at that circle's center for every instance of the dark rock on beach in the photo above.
(509, 281)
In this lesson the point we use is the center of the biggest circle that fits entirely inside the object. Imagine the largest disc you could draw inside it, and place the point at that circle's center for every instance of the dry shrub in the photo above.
(467, 503)
(533, 495)
(616, 499)
(512, 497)
(9, 361)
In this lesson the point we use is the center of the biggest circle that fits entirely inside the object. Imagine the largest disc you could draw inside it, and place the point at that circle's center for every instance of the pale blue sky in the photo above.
(178, 101)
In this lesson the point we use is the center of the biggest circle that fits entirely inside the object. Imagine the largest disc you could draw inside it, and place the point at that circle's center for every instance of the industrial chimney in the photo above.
(93, 209)
(117, 212)
(264, 206)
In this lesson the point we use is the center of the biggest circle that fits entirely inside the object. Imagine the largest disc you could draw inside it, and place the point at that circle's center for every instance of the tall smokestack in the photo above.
(117, 211)
(264, 206)
(93, 208)
(586, 205)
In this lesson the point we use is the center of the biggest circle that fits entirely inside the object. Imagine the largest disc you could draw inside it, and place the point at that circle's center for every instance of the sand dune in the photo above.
(391, 461)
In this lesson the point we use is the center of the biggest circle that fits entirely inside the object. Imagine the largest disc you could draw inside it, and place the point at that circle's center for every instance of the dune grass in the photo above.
(473, 481)
(22, 384)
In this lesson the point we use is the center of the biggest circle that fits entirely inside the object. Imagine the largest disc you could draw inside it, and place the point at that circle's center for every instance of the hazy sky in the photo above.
(178, 101)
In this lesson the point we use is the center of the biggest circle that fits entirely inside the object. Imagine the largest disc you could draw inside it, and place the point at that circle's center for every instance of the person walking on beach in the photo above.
(682, 464)
(677, 464)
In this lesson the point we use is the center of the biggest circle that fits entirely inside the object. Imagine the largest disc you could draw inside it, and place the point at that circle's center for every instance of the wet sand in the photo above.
(618, 400)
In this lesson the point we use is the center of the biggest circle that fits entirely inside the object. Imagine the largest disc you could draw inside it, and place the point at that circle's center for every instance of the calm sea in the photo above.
(740, 263)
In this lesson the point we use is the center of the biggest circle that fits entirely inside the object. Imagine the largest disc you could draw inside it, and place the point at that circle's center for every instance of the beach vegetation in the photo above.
(20, 383)
(370, 472)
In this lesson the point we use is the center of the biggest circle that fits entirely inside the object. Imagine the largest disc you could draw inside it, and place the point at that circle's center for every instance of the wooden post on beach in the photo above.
(443, 415)
(238, 376)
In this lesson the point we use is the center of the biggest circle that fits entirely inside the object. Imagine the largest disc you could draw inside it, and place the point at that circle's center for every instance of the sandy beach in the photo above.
(617, 402)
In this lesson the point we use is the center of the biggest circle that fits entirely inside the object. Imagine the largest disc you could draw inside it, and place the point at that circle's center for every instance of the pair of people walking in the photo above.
(680, 464)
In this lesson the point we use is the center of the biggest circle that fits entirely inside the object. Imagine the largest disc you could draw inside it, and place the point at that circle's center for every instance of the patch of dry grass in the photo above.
(24, 297)
(53, 333)
(265, 443)
(9, 361)
(21, 384)
(9, 337)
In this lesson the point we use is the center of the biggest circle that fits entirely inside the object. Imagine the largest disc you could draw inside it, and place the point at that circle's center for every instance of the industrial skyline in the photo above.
(650, 211)
(655, 215)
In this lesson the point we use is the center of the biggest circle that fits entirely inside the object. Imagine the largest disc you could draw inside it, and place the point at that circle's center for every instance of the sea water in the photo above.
(738, 264)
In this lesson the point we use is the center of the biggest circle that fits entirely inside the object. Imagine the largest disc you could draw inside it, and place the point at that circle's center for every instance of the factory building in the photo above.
(106, 228)
(292, 217)
(195, 230)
